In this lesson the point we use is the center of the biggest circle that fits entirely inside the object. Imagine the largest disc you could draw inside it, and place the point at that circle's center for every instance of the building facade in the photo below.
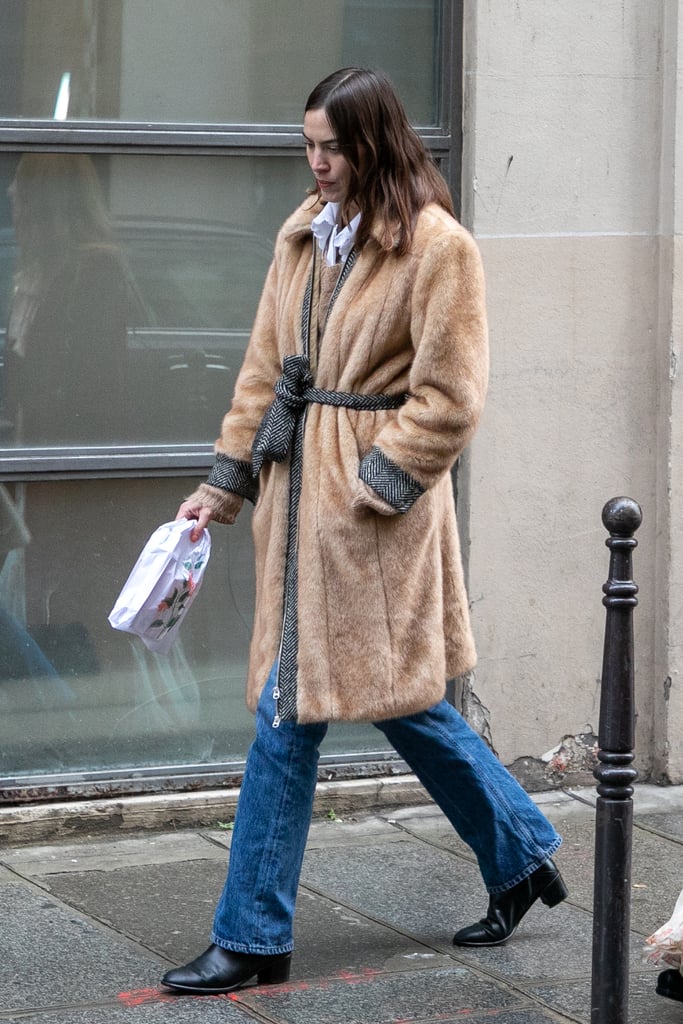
(572, 145)
(149, 153)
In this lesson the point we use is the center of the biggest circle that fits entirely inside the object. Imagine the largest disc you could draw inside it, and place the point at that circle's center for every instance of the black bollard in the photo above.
(615, 774)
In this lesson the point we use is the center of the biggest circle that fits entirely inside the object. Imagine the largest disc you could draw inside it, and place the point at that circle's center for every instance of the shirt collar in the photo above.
(334, 242)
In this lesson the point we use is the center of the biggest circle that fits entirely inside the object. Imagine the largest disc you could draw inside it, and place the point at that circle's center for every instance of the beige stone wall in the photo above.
(569, 127)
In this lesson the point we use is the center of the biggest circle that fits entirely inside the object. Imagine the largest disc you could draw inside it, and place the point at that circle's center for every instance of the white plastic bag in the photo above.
(666, 945)
(162, 585)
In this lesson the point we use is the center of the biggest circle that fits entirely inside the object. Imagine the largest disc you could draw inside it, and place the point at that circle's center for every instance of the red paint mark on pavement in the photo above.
(289, 986)
(140, 996)
(144, 996)
(365, 974)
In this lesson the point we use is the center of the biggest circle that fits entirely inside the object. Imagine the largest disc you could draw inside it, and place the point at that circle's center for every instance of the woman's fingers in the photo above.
(202, 514)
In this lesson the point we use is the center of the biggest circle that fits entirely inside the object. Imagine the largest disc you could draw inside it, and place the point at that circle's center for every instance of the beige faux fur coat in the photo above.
(374, 573)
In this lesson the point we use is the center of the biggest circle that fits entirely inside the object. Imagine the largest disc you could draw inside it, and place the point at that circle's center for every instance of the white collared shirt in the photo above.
(335, 243)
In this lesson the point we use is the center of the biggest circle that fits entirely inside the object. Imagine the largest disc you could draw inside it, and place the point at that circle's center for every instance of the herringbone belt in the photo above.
(293, 392)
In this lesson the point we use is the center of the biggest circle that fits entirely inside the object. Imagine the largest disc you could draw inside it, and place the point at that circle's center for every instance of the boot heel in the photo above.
(554, 892)
(276, 973)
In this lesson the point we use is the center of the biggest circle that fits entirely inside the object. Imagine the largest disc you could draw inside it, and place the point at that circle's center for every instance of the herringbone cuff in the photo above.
(233, 475)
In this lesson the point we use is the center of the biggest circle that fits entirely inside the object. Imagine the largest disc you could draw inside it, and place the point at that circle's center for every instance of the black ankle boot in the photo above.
(220, 970)
(506, 909)
(670, 984)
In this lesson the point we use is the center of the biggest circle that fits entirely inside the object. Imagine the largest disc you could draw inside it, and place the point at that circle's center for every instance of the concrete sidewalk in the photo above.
(86, 929)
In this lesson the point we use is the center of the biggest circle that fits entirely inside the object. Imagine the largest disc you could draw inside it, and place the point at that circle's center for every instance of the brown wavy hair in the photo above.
(392, 175)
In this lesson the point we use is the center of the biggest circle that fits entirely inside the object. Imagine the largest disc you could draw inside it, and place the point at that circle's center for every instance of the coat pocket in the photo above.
(367, 500)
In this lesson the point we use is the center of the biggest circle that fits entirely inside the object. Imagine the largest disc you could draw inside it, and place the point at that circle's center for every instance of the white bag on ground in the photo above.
(666, 945)
(162, 585)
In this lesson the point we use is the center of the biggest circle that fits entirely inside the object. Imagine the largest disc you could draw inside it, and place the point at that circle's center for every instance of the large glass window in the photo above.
(149, 151)
(243, 61)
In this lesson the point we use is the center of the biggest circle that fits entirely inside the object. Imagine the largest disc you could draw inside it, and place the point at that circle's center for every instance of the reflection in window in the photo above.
(65, 347)
(165, 60)
(76, 694)
(128, 286)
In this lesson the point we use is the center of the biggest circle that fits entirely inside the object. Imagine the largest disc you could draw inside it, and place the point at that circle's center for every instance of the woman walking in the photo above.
(363, 381)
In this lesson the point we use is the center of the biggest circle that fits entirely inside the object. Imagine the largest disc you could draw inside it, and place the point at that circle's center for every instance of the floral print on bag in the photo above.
(173, 606)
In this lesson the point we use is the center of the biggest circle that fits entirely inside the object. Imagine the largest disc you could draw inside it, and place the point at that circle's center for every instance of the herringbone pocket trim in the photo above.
(398, 488)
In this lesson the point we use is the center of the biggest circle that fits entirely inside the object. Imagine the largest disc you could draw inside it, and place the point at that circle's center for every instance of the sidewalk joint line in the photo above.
(678, 840)
(579, 799)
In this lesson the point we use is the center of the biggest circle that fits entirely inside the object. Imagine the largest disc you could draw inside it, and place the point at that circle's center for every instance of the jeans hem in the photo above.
(494, 890)
(252, 948)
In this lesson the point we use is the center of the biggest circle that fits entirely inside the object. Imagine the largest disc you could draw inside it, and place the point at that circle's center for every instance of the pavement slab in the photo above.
(141, 1007)
(167, 908)
(645, 1007)
(373, 998)
(50, 955)
(331, 937)
(670, 825)
(163, 848)
(428, 893)
(409, 884)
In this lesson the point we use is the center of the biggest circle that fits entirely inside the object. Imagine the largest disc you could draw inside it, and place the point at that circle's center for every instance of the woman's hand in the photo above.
(203, 515)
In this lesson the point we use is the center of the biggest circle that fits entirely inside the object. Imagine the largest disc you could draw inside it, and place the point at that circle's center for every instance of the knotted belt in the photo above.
(293, 392)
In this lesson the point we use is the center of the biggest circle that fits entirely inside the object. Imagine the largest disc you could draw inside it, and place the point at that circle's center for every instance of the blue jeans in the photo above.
(485, 804)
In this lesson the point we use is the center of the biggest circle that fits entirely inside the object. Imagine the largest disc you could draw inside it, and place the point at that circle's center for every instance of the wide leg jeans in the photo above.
(486, 806)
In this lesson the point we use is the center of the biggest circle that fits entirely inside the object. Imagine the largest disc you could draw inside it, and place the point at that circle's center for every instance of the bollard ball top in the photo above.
(622, 516)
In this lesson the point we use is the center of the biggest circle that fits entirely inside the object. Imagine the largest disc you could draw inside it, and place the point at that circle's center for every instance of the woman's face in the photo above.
(331, 169)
